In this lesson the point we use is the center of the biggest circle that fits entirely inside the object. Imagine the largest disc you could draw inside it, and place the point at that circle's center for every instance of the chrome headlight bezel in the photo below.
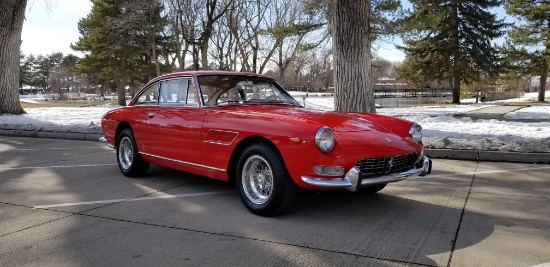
(416, 132)
(324, 139)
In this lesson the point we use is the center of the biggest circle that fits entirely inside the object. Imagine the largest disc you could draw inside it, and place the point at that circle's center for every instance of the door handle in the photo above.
(151, 115)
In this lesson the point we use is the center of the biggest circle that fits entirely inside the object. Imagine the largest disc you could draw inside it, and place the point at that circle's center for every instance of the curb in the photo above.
(52, 135)
(477, 155)
(481, 155)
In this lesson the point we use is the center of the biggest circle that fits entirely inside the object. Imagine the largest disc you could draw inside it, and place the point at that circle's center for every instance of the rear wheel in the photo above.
(129, 160)
(263, 183)
(371, 189)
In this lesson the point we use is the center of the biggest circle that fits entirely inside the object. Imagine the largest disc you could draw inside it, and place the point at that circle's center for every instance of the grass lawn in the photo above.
(69, 104)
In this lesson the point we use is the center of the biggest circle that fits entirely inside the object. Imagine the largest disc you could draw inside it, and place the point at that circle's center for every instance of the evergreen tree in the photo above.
(120, 40)
(42, 72)
(25, 70)
(531, 35)
(450, 40)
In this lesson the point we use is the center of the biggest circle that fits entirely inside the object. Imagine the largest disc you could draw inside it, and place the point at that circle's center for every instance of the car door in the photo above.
(145, 104)
(174, 126)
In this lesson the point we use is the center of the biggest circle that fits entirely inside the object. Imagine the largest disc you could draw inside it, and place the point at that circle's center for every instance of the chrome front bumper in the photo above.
(352, 181)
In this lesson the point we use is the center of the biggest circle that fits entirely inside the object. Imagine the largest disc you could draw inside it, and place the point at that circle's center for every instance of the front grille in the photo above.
(385, 165)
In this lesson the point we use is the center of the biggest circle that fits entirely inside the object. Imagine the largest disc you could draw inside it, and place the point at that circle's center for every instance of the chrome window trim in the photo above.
(184, 162)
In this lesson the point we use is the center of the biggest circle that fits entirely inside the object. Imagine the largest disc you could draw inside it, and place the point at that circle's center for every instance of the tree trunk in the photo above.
(456, 85)
(204, 55)
(121, 92)
(543, 78)
(182, 62)
(12, 14)
(122, 83)
(456, 59)
(195, 58)
(155, 57)
(352, 55)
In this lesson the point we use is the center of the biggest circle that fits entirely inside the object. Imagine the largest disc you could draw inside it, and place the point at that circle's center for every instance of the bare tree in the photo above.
(224, 39)
(184, 16)
(245, 21)
(12, 14)
(289, 27)
(194, 22)
(381, 68)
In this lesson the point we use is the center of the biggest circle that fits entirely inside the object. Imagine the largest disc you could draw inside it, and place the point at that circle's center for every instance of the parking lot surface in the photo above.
(65, 203)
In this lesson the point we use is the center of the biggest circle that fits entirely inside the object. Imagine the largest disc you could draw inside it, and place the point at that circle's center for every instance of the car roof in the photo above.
(206, 72)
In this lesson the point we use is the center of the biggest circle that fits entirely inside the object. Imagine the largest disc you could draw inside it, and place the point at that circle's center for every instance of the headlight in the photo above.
(324, 139)
(416, 132)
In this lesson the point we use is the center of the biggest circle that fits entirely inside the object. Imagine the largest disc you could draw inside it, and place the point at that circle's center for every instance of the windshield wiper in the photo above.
(274, 101)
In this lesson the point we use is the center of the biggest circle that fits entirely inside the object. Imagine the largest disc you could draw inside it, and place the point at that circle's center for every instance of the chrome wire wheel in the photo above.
(130, 162)
(125, 153)
(257, 179)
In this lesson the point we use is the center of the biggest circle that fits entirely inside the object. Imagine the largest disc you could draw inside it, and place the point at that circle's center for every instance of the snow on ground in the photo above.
(74, 120)
(525, 130)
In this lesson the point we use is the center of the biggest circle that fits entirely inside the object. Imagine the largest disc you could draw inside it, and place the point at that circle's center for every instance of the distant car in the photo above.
(245, 128)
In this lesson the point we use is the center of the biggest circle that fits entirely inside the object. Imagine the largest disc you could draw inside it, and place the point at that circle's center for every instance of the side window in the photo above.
(149, 96)
(177, 92)
(173, 92)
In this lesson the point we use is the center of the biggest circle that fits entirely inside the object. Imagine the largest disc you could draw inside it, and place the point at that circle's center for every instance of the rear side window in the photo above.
(177, 92)
(149, 96)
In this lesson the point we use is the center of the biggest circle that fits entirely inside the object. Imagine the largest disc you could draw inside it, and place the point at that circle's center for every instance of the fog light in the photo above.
(329, 170)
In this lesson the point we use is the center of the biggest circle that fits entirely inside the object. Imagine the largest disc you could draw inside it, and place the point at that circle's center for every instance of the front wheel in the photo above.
(129, 160)
(263, 183)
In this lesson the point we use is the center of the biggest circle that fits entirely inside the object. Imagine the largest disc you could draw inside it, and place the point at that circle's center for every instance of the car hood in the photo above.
(337, 121)
(383, 135)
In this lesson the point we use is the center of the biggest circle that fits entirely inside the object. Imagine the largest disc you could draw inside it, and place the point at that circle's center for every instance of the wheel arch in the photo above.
(121, 126)
(239, 149)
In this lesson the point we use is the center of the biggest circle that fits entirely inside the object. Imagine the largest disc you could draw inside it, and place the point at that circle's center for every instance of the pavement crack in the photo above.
(36, 225)
(462, 217)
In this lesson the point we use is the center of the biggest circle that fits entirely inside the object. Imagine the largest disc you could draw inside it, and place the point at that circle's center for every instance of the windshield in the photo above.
(237, 89)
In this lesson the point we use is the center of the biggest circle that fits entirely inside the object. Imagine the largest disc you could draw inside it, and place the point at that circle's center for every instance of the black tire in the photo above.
(372, 189)
(263, 183)
(129, 160)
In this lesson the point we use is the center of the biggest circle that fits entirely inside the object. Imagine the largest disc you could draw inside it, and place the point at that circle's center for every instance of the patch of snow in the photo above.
(537, 112)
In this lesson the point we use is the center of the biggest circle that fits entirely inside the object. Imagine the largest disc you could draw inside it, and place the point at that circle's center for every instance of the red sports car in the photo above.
(245, 128)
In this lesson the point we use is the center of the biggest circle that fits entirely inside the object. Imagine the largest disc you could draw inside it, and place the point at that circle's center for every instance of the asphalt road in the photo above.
(65, 203)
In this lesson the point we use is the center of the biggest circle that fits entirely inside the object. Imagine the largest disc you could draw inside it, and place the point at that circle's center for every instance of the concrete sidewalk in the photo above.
(497, 112)
(489, 113)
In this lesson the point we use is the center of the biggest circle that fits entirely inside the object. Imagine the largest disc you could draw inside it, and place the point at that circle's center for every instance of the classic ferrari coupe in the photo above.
(246, 129)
